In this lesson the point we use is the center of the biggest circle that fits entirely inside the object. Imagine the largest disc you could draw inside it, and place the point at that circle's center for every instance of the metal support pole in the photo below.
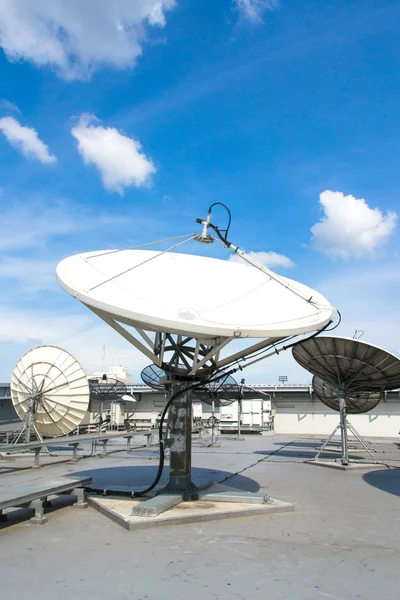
(74, 452)
(30, 419)
(343, 427)
(104, 451)
(100, 415)
(240, 408)
(212, 422)
(80, 498)
(36, 463)
(180, 423)
(38, 518)
(240, 412)
(360, 439)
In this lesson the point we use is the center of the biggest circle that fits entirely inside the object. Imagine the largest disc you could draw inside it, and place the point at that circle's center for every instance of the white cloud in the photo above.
(118, 157)
(81, 333)
(253, 10)
(26, 140)
(29, 275)
(350, 228)
(78, 37)
(6, 104)
(268, 259)
(33, 224)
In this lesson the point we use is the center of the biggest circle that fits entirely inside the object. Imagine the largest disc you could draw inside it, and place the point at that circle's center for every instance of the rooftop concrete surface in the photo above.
(343, 540)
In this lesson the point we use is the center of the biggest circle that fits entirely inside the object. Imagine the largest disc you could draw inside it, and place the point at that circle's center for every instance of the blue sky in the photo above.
(122, 123)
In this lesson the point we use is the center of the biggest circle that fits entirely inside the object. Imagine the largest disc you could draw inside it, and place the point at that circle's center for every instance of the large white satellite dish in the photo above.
(130, 285)
(182, 311)
(50, 391)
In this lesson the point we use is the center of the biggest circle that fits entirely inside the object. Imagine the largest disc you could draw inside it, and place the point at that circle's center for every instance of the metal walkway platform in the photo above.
(34, 495)
(73, 441)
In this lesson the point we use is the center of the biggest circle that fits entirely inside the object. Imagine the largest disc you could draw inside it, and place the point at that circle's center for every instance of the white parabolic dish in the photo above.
(192, 295)
(50, 384)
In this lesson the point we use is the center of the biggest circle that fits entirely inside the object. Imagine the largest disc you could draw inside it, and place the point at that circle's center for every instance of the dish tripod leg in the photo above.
(326, 443)
(343, 430)
(360, 439)
(24, 430)
(343, 425)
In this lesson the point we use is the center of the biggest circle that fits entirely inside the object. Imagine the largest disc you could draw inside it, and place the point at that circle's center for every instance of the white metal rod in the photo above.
(128, 336)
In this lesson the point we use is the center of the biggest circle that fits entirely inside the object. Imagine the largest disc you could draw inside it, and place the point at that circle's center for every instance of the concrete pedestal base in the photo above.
(120, 511)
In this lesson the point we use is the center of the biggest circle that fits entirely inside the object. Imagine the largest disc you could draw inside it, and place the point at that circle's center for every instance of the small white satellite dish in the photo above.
(49, 391)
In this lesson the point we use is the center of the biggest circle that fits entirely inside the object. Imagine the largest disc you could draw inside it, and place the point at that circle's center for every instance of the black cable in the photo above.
(310, 337)
(260, 460)
(278, 350)
(338, 323)
(219, 232)
(214, 377)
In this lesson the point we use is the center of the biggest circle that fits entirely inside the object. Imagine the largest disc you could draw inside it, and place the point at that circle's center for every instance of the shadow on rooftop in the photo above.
(140, 477)
(20, 515)
(304, 454)
(387, 480)
(305, 443)
(315, 443)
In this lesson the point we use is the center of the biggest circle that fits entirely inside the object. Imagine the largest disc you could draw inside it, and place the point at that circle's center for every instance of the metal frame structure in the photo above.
(184, 355)
(344, 425)
(195, 358)
(186, 360)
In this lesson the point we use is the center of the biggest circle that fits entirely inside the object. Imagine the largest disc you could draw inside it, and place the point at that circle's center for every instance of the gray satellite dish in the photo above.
(154, 377)
(356, 365)
(356, 402)
(350, 377)
(105, 391)
(219, 393)
(223, 392)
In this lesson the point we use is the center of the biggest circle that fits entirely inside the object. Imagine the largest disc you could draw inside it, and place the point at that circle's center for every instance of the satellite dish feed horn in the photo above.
(49, 391)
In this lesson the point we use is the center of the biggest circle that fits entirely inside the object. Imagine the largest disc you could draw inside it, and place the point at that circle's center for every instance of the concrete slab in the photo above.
(120, 510)
(343, 540)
